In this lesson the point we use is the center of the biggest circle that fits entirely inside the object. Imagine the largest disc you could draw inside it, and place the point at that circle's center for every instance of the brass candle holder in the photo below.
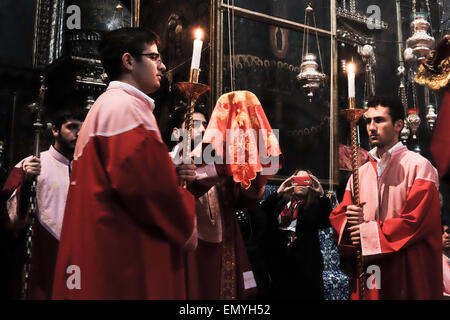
(352, 115)
(192, 90)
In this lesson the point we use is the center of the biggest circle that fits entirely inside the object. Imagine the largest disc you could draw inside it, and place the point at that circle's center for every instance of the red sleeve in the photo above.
(338, 220)
(13, 183)
(419, 218)
(440, 146)
(143, 177)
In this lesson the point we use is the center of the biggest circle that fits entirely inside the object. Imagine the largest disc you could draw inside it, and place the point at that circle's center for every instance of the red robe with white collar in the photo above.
(402, 229)
(126, 221)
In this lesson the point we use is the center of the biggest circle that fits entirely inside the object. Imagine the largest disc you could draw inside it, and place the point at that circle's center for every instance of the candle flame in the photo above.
(198, 34)
(351, 68)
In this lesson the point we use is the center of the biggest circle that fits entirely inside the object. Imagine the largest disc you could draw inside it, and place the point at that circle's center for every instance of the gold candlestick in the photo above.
(352, 114)
(193, 75)
(192, 91)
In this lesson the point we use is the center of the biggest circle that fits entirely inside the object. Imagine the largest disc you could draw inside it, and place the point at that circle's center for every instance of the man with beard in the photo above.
(52, 170)
(397, 226)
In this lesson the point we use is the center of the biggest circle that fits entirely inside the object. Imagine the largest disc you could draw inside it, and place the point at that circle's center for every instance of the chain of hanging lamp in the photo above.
(427, 2)
(230, 16)
(305, 49)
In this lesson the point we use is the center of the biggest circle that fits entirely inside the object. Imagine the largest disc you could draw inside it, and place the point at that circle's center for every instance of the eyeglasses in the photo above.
(153, 56)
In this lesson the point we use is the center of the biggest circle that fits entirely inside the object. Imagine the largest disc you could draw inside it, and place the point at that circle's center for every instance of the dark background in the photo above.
(284, 102)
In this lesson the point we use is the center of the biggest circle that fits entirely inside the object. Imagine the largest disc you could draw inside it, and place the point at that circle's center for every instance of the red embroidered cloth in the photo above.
(241, 134)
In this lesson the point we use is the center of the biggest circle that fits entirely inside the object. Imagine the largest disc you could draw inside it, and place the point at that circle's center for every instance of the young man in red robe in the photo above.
(52, 171)
(397, 226)
(127, 222)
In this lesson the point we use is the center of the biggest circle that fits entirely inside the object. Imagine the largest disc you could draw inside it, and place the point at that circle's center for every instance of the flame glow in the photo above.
(198, 34)
(351, 68)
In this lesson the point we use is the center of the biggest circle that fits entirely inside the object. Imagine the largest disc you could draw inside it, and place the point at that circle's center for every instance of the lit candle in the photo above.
(351, 80)
(197, 52)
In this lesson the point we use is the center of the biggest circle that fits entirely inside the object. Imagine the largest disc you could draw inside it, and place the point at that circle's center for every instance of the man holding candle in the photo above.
(397, 225)
(126, 221)
(217, 199)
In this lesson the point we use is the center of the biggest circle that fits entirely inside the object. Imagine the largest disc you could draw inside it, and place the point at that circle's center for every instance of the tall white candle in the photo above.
(351, 80)
(197, 52)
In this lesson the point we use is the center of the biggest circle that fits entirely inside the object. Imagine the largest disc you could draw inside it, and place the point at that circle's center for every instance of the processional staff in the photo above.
(352, 114)
(30, 216)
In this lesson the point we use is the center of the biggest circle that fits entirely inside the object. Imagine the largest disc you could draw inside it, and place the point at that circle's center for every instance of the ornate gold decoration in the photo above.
(228, 290)
(434, 78)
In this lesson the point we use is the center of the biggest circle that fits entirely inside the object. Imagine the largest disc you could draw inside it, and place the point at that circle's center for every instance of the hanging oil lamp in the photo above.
(404, 134)
(310, 77)
(421, 43)
(413, 121)
(431, 116)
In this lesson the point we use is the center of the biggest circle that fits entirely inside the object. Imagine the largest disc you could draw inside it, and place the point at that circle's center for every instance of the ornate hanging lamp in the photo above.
(368, 55)
(412, 118)
(431, 116)
(310, 77)
(404, 134)
(421, 42)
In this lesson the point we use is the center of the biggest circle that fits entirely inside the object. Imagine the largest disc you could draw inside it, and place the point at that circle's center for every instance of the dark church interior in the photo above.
(293, 55)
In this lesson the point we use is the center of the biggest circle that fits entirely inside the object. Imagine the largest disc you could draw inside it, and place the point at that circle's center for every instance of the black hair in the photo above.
(117, 42)
(176, 118)
(62, 116)
(396, 110)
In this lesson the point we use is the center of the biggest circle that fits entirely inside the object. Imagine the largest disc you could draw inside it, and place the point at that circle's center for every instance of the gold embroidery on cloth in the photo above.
(434, 78)
(228, 270)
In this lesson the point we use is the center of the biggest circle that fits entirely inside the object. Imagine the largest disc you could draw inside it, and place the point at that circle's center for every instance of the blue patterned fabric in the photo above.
(270, 189)
(336, 283)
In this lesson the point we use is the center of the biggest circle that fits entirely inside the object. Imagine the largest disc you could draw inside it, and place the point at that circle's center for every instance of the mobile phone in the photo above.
(302, 181)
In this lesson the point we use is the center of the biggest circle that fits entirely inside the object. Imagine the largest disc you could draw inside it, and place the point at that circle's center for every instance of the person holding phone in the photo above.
(296, 212)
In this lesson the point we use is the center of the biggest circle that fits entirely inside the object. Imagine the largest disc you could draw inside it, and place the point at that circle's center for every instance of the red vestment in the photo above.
(126, 223)
(51, 193)
(401, 233)
(240, 134)
(219, 268)
(440, 146)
